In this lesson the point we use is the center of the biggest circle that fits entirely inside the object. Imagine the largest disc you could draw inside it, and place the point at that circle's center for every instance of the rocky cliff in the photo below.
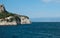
(7, 18)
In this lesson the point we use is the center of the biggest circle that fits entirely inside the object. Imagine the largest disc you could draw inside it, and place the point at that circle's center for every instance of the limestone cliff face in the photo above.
(25, 20)
(2, 8)
(7, 18)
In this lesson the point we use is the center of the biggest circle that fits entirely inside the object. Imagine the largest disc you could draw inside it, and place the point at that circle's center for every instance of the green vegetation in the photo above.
(10, 20)
(5, 14)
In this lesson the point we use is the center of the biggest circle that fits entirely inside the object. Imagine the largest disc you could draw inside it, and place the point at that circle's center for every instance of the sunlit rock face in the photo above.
(8, 21)
(2, 8)
(7, 18)
(25, 20)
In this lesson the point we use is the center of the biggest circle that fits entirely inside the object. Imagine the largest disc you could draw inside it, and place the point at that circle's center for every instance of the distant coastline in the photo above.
(46, 19)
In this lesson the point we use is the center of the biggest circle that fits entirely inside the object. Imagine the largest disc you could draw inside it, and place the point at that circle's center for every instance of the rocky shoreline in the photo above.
(7, 18)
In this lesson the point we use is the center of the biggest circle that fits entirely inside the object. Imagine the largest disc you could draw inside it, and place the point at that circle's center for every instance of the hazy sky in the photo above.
(33, 8)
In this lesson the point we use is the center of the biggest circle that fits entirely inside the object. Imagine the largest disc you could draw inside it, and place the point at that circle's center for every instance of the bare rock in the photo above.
(2, 8)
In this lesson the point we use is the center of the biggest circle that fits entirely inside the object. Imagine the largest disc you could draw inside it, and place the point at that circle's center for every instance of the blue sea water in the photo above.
(34, 30)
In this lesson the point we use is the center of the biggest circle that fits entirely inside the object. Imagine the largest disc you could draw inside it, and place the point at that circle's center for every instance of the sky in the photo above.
(33, 8)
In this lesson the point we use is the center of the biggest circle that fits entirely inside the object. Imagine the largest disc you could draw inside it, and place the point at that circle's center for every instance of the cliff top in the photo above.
(2, 8)
(4, 13)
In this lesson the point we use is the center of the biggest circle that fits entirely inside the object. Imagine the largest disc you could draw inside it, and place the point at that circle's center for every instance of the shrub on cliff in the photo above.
(5, 14)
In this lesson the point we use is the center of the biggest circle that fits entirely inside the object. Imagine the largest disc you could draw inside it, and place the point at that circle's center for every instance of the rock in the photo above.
(2, 8)
(7, 18)
(25, 20)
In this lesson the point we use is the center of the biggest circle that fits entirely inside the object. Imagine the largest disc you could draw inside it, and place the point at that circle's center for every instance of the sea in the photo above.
(34, 30)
